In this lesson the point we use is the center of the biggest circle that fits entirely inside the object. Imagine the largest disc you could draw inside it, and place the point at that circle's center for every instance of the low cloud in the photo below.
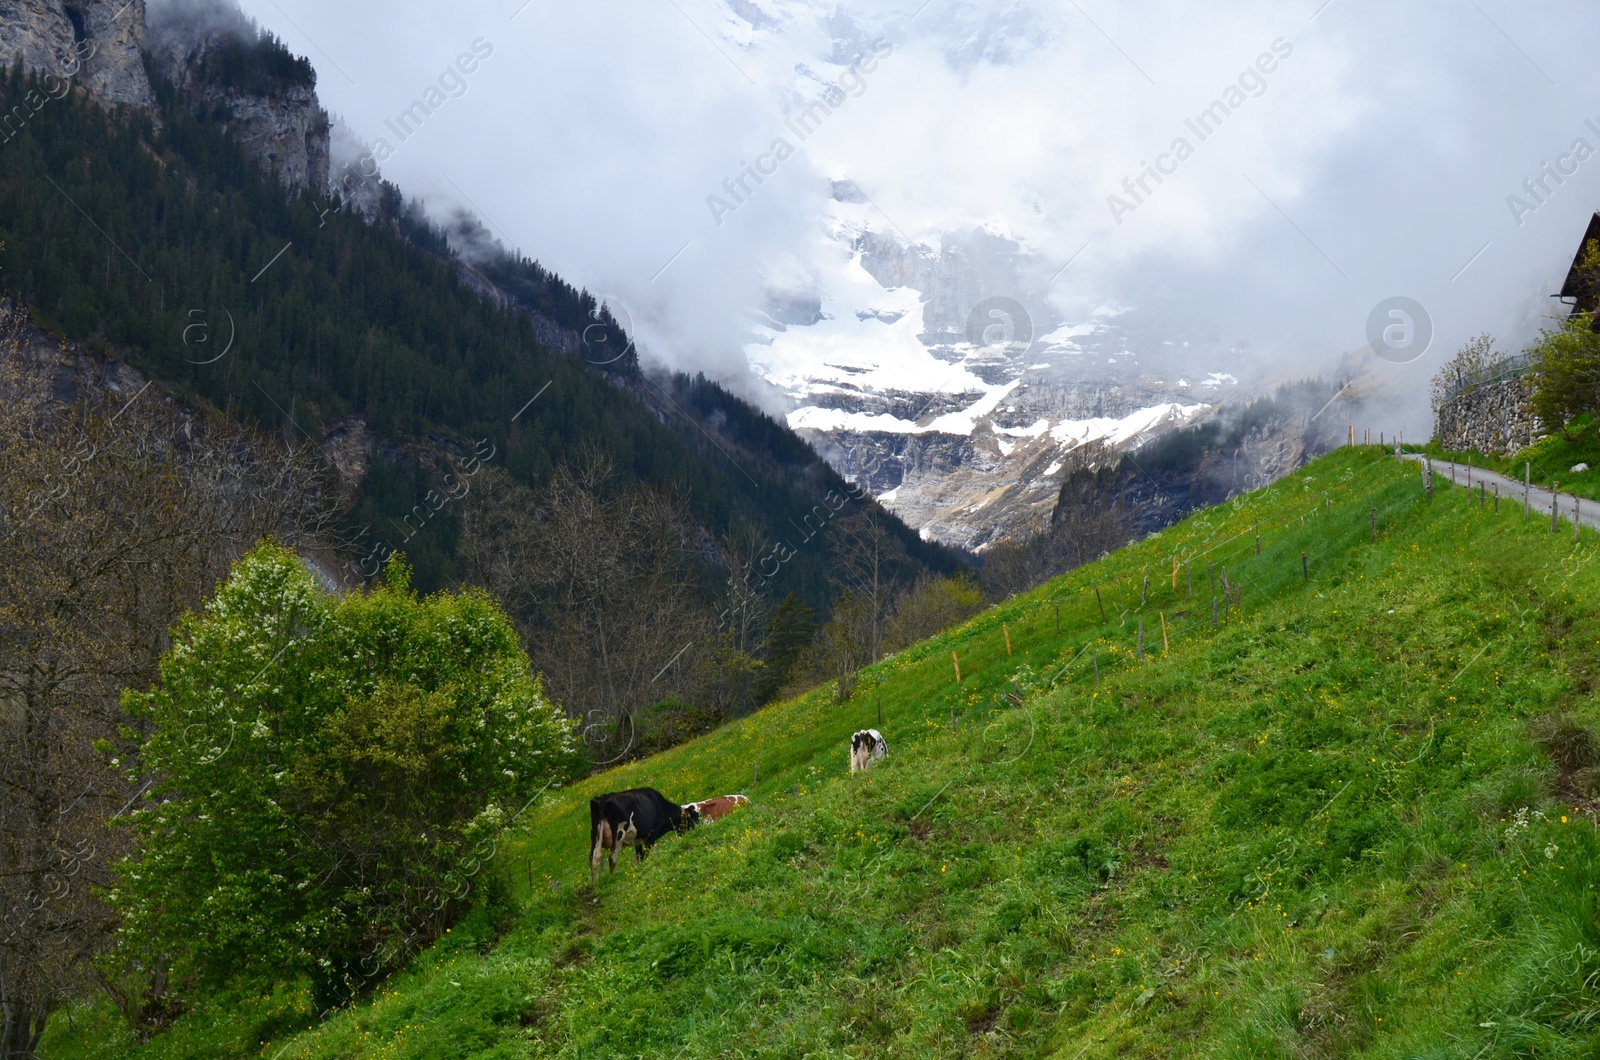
(1376, 162)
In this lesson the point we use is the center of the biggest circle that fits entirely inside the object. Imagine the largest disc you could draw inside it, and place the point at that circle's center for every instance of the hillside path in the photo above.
(1511, 489)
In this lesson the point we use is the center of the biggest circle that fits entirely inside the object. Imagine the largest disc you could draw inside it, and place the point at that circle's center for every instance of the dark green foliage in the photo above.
(790, 629)
(1567, 377)
(257, 67)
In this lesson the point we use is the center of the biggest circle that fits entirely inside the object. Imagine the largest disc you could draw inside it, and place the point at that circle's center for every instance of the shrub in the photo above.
(326, 775)
(1567, 362)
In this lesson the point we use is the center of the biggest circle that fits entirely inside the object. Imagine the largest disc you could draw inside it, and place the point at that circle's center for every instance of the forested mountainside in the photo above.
(154, 238)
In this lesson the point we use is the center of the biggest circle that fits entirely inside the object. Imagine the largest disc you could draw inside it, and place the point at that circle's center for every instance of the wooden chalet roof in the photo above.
(1586, 294)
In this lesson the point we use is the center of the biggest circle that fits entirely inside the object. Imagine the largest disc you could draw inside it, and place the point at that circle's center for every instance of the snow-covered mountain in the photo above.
(934, 364)
(937, 378)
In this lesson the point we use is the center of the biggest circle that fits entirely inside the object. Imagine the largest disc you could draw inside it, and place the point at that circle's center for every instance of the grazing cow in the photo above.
(719, 807)
(634, 818)
(866, 747)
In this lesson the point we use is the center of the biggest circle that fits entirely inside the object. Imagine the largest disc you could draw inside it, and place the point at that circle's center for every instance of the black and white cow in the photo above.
(866, 747)
(634, 818)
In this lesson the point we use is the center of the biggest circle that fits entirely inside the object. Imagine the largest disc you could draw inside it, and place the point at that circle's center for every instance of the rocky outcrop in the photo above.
(1494, 418)
(222, 62)
(96, 43)
(115, 72)
(287, 133)
(348, 447)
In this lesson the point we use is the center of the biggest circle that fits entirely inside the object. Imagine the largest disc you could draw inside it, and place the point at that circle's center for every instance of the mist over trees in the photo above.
(379, 320)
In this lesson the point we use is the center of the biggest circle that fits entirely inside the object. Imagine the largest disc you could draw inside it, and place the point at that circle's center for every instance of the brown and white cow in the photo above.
(717, 808)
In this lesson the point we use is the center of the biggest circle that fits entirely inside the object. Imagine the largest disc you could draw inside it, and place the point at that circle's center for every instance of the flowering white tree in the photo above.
(329, 774)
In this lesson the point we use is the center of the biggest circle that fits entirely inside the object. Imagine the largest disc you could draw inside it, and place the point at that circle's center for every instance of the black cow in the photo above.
(633, 818)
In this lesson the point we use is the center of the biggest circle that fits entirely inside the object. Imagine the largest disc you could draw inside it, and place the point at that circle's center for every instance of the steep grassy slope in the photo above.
(1322, 829)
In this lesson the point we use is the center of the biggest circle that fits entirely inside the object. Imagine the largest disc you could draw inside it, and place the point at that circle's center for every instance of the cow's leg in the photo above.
(601, 843)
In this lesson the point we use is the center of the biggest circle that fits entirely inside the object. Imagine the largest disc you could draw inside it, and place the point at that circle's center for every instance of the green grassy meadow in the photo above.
(1341, 823)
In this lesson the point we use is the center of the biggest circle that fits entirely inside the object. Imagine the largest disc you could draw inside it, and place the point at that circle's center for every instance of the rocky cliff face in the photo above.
(287, 133)
(96, 43)
(215, 56)
(219, 60)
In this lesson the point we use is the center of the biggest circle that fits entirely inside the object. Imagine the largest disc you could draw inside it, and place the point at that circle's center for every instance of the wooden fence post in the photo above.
(1174, 572)
(957, 663)
(1258, 543)
(1141, 640)
(1211, 570)
(1164, 647)
(1007, 631)
(1144, 593)
(1101, 602)
(1482, 496)
(756, 779)
(1497, 498)
(1527, 489)
(1213, 612)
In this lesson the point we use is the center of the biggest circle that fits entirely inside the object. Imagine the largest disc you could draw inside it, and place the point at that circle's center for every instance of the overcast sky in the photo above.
(1374, 159)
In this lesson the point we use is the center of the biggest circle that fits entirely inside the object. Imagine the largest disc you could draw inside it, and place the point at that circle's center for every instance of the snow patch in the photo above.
(1115, 431)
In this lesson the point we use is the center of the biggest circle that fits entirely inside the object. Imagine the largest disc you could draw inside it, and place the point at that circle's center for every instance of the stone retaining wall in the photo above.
(1493, 418)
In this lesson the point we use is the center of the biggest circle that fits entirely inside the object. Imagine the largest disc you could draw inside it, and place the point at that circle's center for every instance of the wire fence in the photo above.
(1240, 566)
